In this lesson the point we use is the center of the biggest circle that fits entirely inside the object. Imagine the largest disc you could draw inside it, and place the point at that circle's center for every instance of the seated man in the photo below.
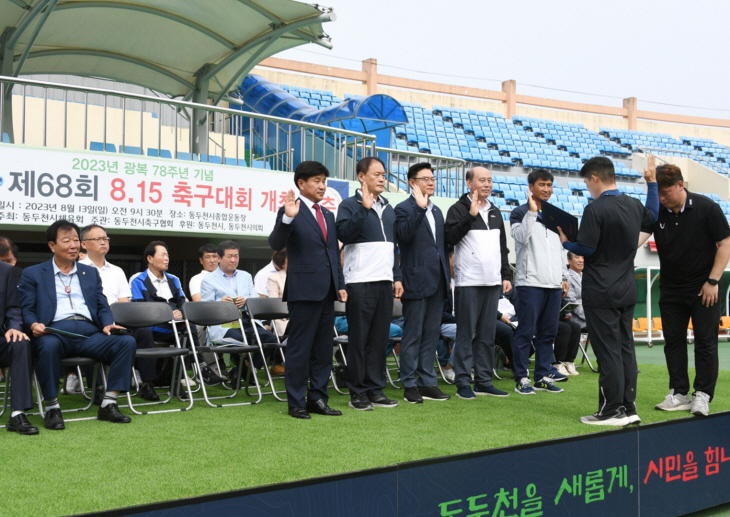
(155, 284)
(228, 284)
(67, 296)
(9, 254)
(116, 289)
(15, 351)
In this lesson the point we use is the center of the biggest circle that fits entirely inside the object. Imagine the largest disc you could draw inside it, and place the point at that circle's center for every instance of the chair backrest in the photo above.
(656, 323)
(141, 314)
(210, 313)
(267, 308)
(643, 324)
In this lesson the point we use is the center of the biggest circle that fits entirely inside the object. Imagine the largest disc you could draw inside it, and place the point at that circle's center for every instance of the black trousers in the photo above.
(309, 350)
(677, 309)
(369, 311)
(567, 341)
(18, 355)
(610, 332)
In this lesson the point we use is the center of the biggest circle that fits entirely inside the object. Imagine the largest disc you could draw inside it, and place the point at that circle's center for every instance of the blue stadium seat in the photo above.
(6, 138)
(98, 146)
(132, 149)
(163, 153)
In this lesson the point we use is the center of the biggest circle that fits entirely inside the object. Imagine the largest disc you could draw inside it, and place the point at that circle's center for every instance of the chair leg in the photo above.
(397, 369)
(584, 350)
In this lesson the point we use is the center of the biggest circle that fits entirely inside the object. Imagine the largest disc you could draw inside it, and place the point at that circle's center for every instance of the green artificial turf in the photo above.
(93, 465)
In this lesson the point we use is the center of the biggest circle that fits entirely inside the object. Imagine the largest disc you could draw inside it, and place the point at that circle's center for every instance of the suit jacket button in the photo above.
(328, 264)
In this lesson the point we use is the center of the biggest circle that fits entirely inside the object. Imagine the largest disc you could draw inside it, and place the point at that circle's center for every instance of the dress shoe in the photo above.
(299, 412)
(321, 408)
(147, 392)
(54, 420)
(19, 424)
(277, 369)
(183, 395)
(111, 413)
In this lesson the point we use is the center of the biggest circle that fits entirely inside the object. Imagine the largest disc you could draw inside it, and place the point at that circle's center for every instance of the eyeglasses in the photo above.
(427, 179)
(102, 239)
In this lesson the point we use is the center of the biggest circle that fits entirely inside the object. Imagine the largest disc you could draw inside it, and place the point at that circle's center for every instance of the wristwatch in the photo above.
(712, 281)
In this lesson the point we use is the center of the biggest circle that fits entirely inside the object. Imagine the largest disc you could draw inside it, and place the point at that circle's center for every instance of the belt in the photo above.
(78, 317)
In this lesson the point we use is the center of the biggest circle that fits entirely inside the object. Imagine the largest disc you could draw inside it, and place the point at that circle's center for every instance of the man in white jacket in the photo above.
(540, 282)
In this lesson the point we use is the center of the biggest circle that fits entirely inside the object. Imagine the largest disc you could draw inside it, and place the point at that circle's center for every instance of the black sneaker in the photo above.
(210, 378)
(617, 418)
(360, 402)
(432, 393)
(413, 396)
(378, 399)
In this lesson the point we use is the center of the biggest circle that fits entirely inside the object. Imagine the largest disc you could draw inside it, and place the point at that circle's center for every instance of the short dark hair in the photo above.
(540, 174)
(11, 244)
(364, 164)
(600, 167)
(308, 169)
(151, 249)
(668, 175)
(227, 245)
(61, 224)
(470, 173)
(86, 229)
(279, 257)
(5, 249)
(207, 248)
(415, 169)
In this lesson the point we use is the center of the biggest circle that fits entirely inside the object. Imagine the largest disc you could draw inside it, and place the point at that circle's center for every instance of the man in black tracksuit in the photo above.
(366, 226)
(475, 228)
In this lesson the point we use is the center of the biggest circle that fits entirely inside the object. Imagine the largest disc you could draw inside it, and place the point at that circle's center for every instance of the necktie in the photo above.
(320, 220)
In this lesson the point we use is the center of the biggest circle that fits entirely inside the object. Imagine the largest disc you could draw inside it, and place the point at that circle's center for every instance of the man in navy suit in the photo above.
(314, 281)
(15, 351)
(426, 275)
(67, 296)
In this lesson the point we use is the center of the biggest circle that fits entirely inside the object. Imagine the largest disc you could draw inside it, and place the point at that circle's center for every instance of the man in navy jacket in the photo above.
(313, 282)
(426, 277)
(366, 226)
(68, 296)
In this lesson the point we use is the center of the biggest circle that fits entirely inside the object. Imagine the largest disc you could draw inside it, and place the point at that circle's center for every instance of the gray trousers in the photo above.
(476, 321)
(421, 332)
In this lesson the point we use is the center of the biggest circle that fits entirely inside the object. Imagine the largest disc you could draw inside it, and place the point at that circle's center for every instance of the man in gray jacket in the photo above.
(540, 280)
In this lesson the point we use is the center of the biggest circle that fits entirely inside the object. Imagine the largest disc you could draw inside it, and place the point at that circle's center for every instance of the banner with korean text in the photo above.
(121, 191)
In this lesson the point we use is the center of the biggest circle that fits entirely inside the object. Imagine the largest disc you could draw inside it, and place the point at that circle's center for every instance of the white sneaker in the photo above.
(191, 381)
(73, 386)
(674, 402)
(571, 368)
(449, 374)
(618, 418)
(700, 404)
(562, 370)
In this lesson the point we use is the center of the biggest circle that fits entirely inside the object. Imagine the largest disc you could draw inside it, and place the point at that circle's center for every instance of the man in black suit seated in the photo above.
(314, 281)
(9, 255)
(15, 351)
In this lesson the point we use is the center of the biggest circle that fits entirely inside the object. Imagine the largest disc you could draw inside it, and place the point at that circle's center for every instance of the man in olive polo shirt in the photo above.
(693, 241)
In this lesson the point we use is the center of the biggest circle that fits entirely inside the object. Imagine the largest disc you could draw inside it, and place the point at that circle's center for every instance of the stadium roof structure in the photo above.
(361, 114)
(194, 49)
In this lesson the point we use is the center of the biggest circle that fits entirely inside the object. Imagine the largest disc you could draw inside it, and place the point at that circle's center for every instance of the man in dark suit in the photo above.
(314, 281)
(15, 351)
(63, 295)
(9, 254)
(426, 274)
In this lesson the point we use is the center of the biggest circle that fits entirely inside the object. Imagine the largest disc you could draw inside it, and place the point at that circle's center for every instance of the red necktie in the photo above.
(320, 220)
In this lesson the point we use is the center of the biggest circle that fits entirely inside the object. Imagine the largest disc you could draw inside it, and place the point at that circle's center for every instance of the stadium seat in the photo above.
(158, 153)
(98, 146)
(132, 149)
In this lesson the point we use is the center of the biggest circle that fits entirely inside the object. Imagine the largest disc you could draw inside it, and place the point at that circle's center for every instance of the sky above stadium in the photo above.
(672, 55)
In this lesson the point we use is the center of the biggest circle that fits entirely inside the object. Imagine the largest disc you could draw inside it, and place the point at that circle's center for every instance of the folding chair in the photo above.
(584, 343)
(78, 363)
(339, 343)
(440, 368)
(394, 364)
(218, 313)
(269, 309)
(147, 314)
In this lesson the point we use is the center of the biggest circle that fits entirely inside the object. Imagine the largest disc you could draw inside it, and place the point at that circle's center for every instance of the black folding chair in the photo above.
(269, 309)
(338, 368)
(148, 314)
(393, 365)
(218, 313)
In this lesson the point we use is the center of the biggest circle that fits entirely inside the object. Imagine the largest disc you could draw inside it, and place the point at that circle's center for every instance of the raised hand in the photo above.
(291, 204)
(367, 197)
(531, 202)
(421, 199)
(650, 170)
(474, 208)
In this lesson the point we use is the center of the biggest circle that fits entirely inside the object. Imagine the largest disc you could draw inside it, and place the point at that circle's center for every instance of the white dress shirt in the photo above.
(113, 281)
